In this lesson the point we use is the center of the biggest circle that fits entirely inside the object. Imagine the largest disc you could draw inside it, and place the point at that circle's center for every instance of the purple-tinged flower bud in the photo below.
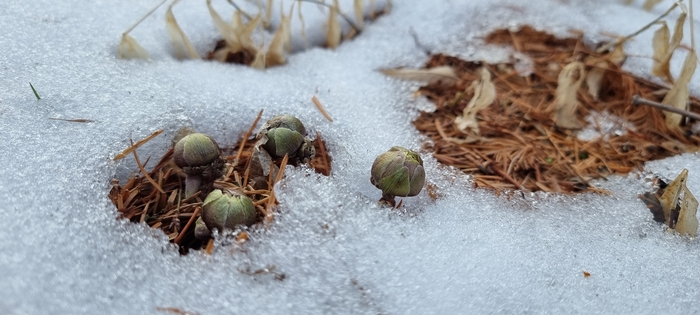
(227, 210)
(398, 172)
(285, 134)
(199, 157)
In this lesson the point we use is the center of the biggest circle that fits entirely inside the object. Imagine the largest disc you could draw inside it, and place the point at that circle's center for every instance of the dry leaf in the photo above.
(259, 61)
(568, 83)
(617, 56)
(484, 95)
(268, 14)
(233, 43)
(594, 78)
(303, 26)
(129, 48)
(282, 38)
(649, 4)
(687, 221)
(334, 34)
(181, 44)
(679, 94)
(444, 74)
(661, 49)
(359, 6)
(664, 48)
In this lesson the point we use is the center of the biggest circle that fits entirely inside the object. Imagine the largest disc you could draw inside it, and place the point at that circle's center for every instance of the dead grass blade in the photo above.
(679, 94)
(129, 48)
(181, 43)
(359, 6)
(649, 4)
(334, 34)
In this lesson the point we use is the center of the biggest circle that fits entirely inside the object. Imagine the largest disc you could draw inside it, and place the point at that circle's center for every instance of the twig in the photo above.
(345, 17)
(638, 100)
(247, 16)
(420, 45)
(622, 39)
(144, 17)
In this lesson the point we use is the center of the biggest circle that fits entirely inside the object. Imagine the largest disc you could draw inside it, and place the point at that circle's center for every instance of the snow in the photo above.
(470, 251)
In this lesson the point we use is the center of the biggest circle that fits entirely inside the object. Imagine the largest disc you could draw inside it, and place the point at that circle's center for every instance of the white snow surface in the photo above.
(63, 250)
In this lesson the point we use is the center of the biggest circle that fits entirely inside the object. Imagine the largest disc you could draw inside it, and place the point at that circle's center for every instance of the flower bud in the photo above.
(195, 150)
(285, 135)
(199, 157)
(227, 210)
(398, 172)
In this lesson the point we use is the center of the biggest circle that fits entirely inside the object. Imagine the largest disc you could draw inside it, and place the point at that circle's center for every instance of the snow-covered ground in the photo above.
(62, 250)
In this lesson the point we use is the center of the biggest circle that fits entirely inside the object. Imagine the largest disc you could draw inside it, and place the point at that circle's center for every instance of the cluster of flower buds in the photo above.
(285, 135)
(398, 172)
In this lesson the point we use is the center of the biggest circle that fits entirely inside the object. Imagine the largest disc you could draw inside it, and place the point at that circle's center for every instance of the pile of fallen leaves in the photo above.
(153, 197)
(522, 141)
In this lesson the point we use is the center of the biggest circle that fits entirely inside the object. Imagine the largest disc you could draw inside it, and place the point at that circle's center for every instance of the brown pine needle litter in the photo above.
(152, 197)
(520, 146)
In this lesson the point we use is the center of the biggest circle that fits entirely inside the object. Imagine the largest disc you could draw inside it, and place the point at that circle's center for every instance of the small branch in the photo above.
(622, 39)
(144, 17)
(345, 17)
(638, 100)
(247, 16)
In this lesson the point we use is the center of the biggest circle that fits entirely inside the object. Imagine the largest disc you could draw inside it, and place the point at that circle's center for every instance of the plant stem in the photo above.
(144, 17)
(622, 39)
(345, 17)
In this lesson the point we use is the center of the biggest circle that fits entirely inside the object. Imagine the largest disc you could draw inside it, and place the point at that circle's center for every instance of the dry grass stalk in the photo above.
(158, 202)
(181, 43)
(520, 144)
(678, 95)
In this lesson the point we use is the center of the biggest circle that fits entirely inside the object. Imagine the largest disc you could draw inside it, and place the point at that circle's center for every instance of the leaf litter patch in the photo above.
(158, 197)
(515, 125)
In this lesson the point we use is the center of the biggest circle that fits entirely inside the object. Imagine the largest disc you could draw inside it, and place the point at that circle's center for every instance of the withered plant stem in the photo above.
(332, 7)
(644, 28)
(638, 100)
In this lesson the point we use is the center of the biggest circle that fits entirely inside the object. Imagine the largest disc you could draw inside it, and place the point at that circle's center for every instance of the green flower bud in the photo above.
(200, 230)
(199, 157)
(398, 172)
(285, 135)
(227, 210)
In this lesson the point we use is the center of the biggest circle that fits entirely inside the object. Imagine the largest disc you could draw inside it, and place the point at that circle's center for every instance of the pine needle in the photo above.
(34, 90)
(321, 108)
(137, 145)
